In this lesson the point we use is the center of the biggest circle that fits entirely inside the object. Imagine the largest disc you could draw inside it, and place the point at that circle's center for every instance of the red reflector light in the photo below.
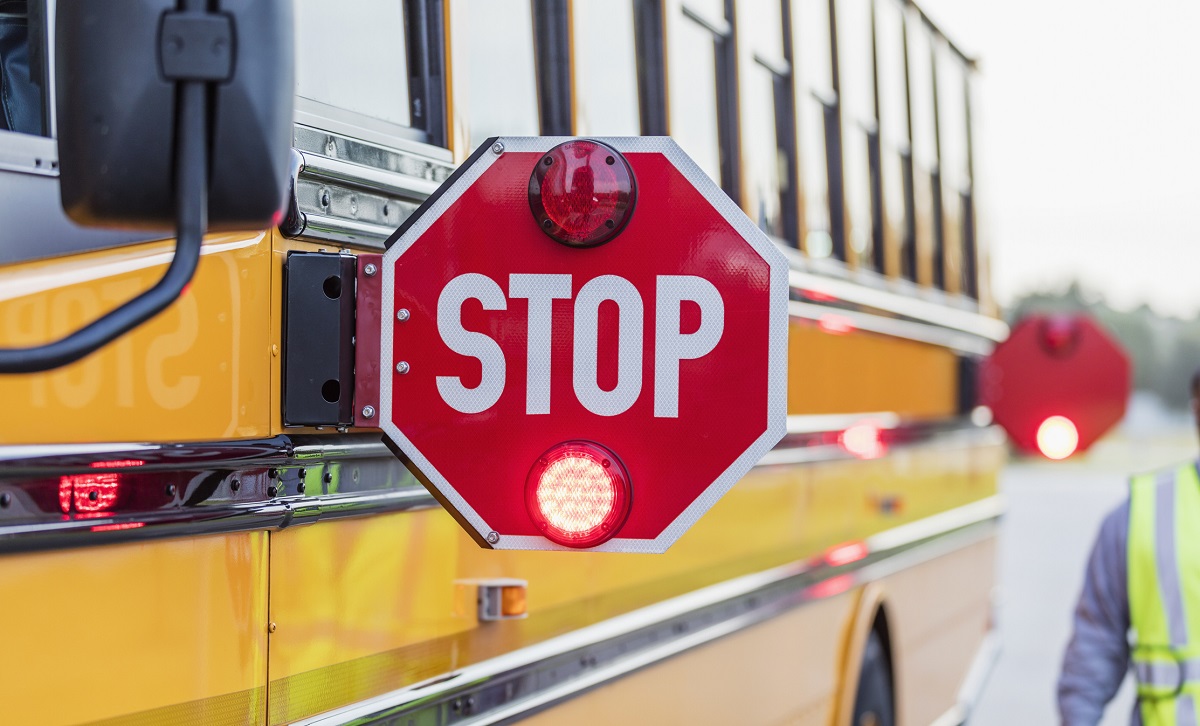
(578, 494)
(1057, 438)
(863, 440)
(582, 193)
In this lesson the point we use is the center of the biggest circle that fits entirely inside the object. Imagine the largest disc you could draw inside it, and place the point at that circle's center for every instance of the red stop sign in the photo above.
(1051, 368)
(663, 349)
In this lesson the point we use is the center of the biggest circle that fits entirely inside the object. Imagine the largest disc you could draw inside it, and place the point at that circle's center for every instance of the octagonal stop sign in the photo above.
(584, 344)
(1057, 384)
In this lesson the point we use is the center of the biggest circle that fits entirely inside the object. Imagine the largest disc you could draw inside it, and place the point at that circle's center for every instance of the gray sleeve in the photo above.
(1097, 656)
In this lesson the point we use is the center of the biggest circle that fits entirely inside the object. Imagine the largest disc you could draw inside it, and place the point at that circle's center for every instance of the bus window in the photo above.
(605, 63)
(952, 138)
(21, 103)
(494, 98)
(701, 115)
(926, 204)
(895, 159)
(815, 109)
(856, 94)
(363, 64)
(767, 137)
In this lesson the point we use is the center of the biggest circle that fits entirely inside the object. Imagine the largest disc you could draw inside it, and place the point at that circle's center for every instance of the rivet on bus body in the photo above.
(271, 627)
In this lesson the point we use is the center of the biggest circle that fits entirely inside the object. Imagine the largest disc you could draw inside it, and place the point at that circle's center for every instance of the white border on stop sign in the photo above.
(775, 425)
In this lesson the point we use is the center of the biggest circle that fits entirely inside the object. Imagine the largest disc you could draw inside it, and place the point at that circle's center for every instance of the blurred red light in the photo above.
(1057, 438)
(863, 440)
(836, 324)
(818, 296)
(582, 193)
(117, 526)
(578, 494)
(844, 554)
(1059, 335)
(832, 586)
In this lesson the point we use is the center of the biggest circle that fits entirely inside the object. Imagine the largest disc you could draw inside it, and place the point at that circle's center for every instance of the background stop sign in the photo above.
(1057, 384)
(630, 376)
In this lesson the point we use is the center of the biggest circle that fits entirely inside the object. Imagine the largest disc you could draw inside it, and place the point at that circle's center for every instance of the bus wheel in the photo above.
(873, 704)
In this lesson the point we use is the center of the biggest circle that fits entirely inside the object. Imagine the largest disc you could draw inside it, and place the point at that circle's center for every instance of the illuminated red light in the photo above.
(93, 492)
(578, 494)
(1057, 437)
(844, 554)
(582, 193)
(863, 440)
(836, 324)
(117, 526)
(832, 586)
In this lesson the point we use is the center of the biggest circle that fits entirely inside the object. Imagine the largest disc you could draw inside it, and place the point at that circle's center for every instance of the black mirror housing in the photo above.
(118, 63)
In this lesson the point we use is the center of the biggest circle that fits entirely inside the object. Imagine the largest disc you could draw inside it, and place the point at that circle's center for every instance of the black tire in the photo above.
(873, 704)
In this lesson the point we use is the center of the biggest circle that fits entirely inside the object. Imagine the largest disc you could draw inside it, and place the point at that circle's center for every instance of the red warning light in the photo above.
(582, 193)
(846, 553)
(1057, 438)
(863, 440)
(578, 494)
(94, 491)
(835, 324)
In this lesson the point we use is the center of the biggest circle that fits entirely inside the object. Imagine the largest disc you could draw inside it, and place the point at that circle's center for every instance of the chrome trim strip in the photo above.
(931, 312)
(896, 327)
(345, 231)
(337, 171)
(536, 677)
(256, 509)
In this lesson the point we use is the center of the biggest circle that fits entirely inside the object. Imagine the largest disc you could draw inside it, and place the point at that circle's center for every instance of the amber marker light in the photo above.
(582, 193)
(578, 494)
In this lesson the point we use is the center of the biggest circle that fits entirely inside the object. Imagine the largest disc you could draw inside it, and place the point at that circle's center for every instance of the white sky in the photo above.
(1088, 132)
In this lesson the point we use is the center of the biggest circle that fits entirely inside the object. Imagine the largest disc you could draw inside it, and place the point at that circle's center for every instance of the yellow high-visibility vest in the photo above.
(1164, 594)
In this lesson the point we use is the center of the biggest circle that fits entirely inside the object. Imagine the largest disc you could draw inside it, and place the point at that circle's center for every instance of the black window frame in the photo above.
(424, 22)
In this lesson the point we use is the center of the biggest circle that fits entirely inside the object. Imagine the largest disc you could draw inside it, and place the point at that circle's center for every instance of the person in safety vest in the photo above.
(1140, 604)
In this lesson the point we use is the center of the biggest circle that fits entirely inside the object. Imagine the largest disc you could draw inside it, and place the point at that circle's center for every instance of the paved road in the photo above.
(1054, 512)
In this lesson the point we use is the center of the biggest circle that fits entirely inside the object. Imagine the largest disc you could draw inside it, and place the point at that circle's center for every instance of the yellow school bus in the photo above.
(177, 546)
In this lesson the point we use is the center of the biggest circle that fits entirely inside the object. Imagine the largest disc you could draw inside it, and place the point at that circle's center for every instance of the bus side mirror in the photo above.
(121, 66)
(170, 114)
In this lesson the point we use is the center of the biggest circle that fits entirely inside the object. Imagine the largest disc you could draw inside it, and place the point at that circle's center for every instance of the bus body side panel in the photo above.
(173, 631)
(199, 371)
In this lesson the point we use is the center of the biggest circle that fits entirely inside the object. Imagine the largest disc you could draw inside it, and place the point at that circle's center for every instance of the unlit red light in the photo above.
(863, 440)
(578, 494)
(1057, 438)
(582, 193)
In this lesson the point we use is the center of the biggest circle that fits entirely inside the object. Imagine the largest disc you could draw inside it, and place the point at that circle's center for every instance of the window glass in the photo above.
(893, 130)
(952, 115)
(814, 178)
(810, 33)
(765, 94)
(920, 79)
(857, 96)
(501, 94)
(21, 103)
(893, 90)
(765, 163)
(764, 18)
(813, 74)
(362, 65)
(693, 94)
(606, 86)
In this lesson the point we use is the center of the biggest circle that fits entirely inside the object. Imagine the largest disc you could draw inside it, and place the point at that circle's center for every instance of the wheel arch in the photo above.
(869, 614)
